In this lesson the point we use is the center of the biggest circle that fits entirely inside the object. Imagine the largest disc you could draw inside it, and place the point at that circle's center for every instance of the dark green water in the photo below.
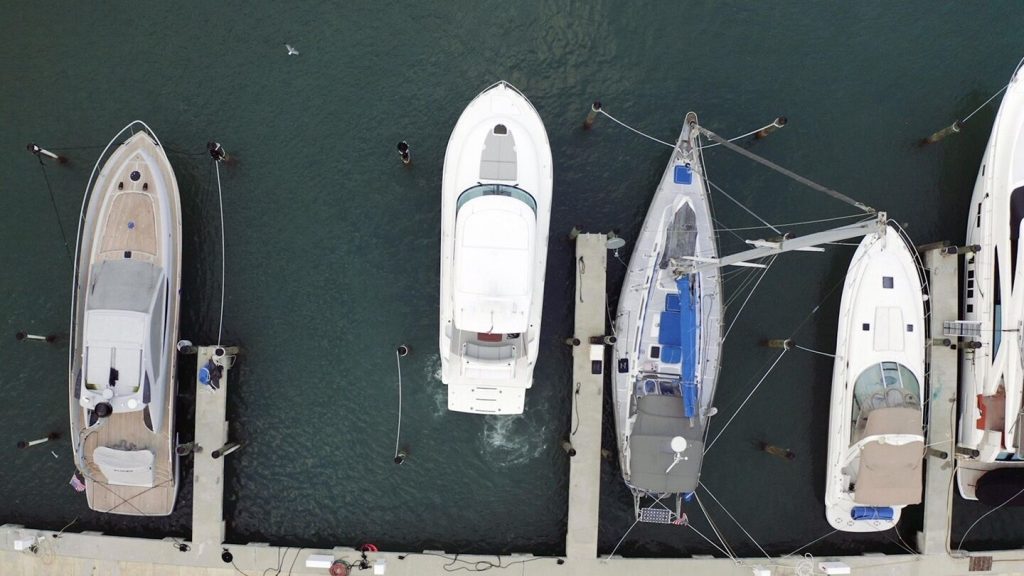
(332, 247)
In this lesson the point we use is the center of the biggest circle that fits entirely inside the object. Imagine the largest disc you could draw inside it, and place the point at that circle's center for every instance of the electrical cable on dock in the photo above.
(785, 172)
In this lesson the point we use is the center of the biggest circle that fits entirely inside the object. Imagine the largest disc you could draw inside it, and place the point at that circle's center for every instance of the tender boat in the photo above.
(495, 209)
(669, 335)
(992, 365)
(876, 437)
(124, 326)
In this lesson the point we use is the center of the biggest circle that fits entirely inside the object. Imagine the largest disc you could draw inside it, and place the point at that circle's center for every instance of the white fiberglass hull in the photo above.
(124, 328)
(876, 410)
(991, 373)
(495, 211)
(669, 333)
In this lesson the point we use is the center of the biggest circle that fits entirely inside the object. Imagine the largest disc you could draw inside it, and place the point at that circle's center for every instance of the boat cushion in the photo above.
(668, 330)
(125, 467)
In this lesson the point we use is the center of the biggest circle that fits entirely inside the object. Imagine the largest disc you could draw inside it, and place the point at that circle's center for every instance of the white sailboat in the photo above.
(669, 334)
(669, 326)
(876, 436)
(124, 326)
(495, 209)
(992, 364)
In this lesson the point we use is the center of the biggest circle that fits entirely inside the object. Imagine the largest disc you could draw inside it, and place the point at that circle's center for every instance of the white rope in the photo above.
(978, 109)
(706, 539)
(751, 133)
(733, 417)
(791, 223)
(960, 546)
(815, 541)
(398, 433)
(623, 538)
(726, 510)
(628, 127)
(815, 351)
(223, 254)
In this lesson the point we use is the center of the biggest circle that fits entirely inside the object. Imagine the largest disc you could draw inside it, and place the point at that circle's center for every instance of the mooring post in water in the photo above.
(783, 343)
(595, 108)
(51, 436)
(26, 336)
(784, 453)
(404, 152)
(217, 152)
(953, 128)
(225, 450)
(400, 457)
(775, 125)
(40, 152)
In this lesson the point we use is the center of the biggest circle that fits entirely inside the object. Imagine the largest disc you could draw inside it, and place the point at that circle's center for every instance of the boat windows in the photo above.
(997, 308)
(653, 386)
(884, 385)
(1016, 215)
(156, 326)
(887, 282)
(496, 190)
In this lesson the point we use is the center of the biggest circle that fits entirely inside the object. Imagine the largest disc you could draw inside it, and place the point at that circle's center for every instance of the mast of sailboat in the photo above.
(789, 173)
(766, 248)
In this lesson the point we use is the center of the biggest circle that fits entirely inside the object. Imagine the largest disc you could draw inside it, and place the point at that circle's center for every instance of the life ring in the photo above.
(339, 568)
(368, 548)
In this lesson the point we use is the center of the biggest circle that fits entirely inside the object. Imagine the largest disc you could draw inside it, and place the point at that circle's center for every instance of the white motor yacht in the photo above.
(495, 209)
(876, 437)
(992, 364)
(124, 328)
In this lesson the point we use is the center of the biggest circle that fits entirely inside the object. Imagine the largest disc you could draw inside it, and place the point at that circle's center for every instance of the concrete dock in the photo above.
(943, 281)
(30, 552)
(588, 361)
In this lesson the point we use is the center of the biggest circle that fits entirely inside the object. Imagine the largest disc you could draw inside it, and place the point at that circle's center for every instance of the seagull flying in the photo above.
(291, 50)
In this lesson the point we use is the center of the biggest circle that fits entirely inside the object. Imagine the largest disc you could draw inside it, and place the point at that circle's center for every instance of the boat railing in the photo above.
(922, 274)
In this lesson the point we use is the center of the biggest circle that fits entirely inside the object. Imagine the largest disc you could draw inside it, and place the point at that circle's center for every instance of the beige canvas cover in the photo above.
(889, 474)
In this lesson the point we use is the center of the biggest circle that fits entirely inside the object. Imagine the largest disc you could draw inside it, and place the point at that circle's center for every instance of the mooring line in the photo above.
(223, 254)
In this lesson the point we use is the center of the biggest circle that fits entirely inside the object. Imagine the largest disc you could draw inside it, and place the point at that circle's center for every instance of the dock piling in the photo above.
(953, 128)
(595, 108)
(217, 152)
(22, 444)
(26, 336)
(767, 130)
(783, 343)
(404, 152)
(40, 152)
(225, 450)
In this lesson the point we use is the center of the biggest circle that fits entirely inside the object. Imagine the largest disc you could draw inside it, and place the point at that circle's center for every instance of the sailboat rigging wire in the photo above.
(726, 510)
(56, 212)
(623, 537)
(706, 539)
(738, 203)
(741, 136)
(814, 351)
(793, 175)
(223, 254)
(787, 225)
(744, 403)
(398, 433)
(764, 271)
(714, 528)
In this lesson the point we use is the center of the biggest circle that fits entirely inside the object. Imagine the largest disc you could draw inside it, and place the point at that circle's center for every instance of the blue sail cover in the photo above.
(688, 326)
(871, 513)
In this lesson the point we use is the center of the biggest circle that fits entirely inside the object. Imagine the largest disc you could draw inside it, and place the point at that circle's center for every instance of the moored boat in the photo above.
(495, 209)
(124, 327)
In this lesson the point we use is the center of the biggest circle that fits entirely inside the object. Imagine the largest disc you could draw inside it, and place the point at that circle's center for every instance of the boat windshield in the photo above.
(883, 385)
(496, 190)
(655, 386)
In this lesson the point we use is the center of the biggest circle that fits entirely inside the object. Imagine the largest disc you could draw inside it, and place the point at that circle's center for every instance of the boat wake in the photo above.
(512, 440)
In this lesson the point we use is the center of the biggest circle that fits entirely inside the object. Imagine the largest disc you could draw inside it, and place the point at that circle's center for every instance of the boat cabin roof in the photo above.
(123, 284)
(495, 243)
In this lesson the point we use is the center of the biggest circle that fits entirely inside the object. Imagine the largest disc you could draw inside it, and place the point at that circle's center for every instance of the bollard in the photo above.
(567, 446)
(188, 448)
(51, 436)
(404, 152)
(26, 336)
(775, 125)
(595, 108)
(953, 128)
(574, 233)
(185, 347)
(940, 454)
(784, 453)
(784, 343)
(225, 450)
(40, 152)
(216, 151)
